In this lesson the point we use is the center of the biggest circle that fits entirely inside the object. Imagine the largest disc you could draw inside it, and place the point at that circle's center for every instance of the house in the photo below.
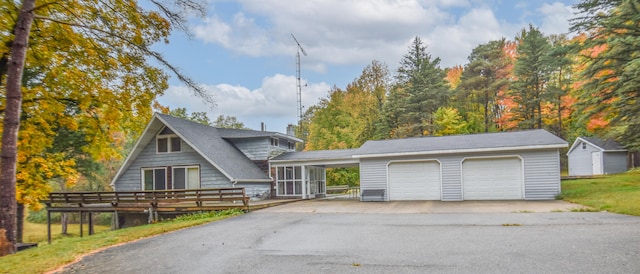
(592, 156)
(174, 153)
(490, 166)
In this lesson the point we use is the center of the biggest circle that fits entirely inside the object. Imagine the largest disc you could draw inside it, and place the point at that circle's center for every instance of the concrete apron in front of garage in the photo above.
(413, 207)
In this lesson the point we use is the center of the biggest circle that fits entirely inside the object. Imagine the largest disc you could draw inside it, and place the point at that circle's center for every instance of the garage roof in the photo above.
(500, 141)
(485, 142)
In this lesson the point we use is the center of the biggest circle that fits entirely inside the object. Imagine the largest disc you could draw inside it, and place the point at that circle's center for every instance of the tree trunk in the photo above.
(64, 220)
(11, 125)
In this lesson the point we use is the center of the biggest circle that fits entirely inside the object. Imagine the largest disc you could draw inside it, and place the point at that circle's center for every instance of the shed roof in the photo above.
(608, 145)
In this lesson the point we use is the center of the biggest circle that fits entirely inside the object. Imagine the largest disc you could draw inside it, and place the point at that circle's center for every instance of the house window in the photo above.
(154, 178)
(292, 145)
(275, 142)
(289, 181)
(167, 142)
(186, 177)
(584, 145)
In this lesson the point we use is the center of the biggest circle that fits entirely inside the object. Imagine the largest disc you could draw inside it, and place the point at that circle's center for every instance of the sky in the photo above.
(243, 54)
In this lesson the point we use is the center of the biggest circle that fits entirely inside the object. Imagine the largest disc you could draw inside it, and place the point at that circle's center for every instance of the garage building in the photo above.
(490, 166)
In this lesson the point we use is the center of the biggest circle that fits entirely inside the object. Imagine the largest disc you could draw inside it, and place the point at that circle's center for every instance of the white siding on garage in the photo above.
(414, 180)
(541, 172)
(492, 178)
(373, 175)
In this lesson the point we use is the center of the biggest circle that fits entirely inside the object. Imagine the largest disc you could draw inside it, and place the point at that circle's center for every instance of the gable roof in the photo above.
(603, 145)
(484, 142)
(210, 142)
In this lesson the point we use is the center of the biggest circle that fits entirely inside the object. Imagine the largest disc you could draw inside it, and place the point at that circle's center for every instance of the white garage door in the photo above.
(414, 181)
(492, 179)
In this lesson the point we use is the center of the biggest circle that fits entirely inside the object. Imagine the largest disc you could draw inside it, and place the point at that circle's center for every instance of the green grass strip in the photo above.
(619, 193)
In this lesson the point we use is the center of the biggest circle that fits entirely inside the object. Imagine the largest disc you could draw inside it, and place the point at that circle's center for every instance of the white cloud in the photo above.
(331, 31)
(214, 31)
(556, 17)
(274, 102)
(454, 42)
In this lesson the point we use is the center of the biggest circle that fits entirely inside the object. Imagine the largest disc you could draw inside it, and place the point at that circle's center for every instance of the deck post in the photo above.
(150, 220)
(91, 232)
(81, 224)
(48, 226)
(115, 222)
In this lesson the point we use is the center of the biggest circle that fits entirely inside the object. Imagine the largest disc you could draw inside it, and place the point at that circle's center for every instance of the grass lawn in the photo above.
(619, 193)
(61, 251)
(35, 233)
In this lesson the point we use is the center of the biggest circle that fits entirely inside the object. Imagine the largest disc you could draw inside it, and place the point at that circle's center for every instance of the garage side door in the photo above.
(492, 179)
(414, 181)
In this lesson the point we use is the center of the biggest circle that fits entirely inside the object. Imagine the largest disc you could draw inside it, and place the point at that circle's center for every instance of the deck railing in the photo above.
(150, 202)
(155, 198)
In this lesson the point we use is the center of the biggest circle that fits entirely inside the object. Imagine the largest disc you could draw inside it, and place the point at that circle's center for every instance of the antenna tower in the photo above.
(298, 81)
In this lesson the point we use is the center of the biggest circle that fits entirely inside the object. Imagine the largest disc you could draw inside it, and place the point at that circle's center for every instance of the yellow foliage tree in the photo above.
(86, 86)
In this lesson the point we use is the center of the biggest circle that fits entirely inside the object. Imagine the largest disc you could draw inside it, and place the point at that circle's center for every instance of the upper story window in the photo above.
(275, 142)
(292, 145)
(584, 145)
(167, 141)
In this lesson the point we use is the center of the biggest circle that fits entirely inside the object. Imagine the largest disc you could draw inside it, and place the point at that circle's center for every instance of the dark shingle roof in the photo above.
(461, 143)
(502, 141)
(316, 155)
(210, 143)
(606, 145)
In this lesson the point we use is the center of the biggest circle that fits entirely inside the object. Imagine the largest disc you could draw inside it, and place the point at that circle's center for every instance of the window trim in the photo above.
(170, 138)
(142, 177)
(275, 142)
(186, 174)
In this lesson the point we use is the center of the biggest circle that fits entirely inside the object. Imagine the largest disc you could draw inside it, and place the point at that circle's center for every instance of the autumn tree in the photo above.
(448, 121)
(532, 76)
(196, 116)
(560, 58)
(347, 118)
(419, 91)
(82, 66)
(224, 121)
(483, 79)
(611, 85)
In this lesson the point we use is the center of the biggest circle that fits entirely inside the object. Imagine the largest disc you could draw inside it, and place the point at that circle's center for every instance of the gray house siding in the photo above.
(373, 174)
(541, 172)
(580, 163)
(451, 177)
(614, 162)
(131, 179)
(255, 149)
(256, 191)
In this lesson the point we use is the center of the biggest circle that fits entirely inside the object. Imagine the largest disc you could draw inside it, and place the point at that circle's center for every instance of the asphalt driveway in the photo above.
(307, 237)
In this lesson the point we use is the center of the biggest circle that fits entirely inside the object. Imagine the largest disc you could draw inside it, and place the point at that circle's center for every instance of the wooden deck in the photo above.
(147, 202)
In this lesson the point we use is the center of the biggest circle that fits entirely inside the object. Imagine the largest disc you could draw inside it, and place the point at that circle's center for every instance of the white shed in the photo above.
(592, 156)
